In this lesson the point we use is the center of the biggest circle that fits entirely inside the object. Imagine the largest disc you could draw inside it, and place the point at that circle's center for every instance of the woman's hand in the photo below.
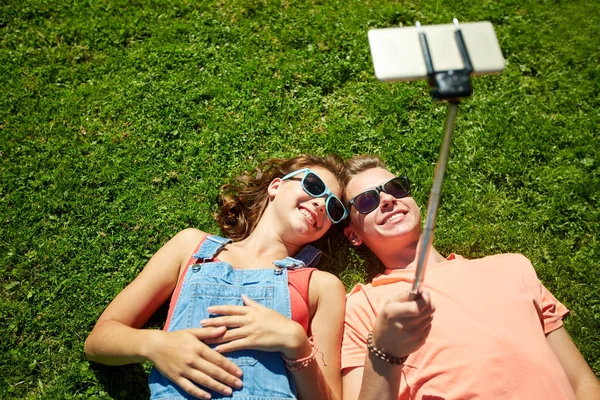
(183, 358)
(256, 327)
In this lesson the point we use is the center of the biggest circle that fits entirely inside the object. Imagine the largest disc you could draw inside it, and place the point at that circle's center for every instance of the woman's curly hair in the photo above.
(242, 202)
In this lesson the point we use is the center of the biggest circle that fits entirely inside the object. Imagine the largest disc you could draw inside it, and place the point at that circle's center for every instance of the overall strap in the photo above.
(308, 256)
(210, 248)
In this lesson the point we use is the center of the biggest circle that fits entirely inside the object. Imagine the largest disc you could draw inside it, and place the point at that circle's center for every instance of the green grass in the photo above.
(119, 120)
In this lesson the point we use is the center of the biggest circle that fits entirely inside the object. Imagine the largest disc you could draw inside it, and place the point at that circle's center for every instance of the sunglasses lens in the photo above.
(314, 185)
(398, 188)
(367, 201)
(335, 209)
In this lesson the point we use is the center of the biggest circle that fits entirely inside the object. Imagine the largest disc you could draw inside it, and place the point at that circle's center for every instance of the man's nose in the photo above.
(386, 200)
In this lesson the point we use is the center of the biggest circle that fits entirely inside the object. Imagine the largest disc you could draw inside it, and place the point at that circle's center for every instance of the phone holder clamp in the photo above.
(451, 85)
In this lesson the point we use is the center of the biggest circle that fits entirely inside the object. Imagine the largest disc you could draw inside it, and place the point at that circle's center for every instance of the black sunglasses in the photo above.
(368, 200)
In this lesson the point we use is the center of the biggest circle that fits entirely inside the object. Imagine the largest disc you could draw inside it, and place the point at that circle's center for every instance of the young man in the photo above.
(484, 328)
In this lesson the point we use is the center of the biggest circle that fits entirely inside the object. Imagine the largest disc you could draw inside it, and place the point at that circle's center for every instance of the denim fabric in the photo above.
(207, 283)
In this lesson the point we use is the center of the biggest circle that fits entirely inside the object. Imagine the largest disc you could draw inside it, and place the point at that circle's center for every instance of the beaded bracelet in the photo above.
(385, 357)
(298, 364)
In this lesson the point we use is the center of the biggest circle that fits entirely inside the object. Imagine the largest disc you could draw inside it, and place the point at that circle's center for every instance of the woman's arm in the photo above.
(582, 378)
(322, 379)
(117, 337)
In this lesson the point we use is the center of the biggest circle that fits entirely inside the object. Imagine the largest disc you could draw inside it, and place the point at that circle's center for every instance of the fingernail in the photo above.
(228, 391)
(203, 321)
(218, 349)
(239, 373)
(238, 384)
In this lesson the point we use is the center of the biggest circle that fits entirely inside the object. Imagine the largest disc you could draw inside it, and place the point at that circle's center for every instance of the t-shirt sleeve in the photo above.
(553, 311)
(358, 322)
(550, 310)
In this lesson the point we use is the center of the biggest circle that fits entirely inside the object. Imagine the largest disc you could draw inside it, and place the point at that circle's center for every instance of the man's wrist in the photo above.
(379, 353)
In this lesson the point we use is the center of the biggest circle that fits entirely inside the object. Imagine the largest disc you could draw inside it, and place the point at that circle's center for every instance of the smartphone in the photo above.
(397, 53)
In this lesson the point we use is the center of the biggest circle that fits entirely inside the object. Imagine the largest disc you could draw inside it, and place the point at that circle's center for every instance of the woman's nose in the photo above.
(319, 204)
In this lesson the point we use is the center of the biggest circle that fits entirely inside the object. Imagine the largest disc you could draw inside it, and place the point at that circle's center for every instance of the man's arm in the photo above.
(582, 378)
(376, 380)
(400, 329)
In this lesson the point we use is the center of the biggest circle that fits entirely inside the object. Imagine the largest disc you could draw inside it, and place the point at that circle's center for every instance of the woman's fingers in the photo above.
(226, 321)
(207, 333)
(213, 378)
(249, 302)
(219, 374)
(228, 310)
(192, 389)
(231, 334)
(234, 345)
(214, 359)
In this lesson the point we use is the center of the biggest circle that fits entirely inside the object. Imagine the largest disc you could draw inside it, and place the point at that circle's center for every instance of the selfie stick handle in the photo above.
(452, 86)
(434, 198)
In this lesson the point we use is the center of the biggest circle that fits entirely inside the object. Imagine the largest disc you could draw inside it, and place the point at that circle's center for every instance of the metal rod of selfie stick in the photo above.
(434, 199)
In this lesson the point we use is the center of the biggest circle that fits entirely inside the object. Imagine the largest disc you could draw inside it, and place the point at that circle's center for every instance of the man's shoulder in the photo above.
(503, 258)
(505, 261)
(358, 294)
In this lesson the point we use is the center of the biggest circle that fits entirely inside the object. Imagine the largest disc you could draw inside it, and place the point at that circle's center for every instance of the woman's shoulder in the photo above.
(191, 235)
(185, 241)
(325, 282)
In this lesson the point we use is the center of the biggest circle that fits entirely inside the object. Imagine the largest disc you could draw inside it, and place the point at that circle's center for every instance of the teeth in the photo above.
(394, 217)
(308, 215)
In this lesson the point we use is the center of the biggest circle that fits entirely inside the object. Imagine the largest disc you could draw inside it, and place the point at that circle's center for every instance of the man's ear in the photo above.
(352, 236)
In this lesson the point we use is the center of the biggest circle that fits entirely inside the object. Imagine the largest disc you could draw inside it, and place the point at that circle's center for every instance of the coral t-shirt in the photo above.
(488, 335)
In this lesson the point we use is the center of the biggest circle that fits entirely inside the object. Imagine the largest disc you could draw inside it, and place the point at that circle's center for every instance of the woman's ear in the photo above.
(274, 187)
(352, 236)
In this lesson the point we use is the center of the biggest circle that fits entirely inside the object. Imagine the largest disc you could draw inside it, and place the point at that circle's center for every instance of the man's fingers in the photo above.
(399, 307)
(402, 297)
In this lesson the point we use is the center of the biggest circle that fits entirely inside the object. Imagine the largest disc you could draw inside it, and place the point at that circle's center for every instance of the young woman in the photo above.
(246, 318)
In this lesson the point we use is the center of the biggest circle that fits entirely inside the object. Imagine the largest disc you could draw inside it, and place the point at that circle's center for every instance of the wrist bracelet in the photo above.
(299, 363)
(385, 357)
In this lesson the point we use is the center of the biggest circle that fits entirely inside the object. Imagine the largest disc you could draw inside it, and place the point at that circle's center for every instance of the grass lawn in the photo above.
(119, 120)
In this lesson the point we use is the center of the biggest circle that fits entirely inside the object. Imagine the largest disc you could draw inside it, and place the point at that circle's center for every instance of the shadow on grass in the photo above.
(123, 382)
(129, 381)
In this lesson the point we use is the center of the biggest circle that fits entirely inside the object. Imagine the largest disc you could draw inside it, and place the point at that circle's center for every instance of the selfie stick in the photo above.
(451, 85)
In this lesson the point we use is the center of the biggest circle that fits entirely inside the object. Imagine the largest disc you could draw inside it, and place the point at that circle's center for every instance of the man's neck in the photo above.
(405, 255)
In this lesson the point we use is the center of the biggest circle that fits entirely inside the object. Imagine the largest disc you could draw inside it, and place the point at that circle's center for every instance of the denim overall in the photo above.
(208, 283)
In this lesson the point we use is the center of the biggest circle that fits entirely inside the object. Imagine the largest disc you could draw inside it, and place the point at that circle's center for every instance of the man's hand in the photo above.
(403, 324)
